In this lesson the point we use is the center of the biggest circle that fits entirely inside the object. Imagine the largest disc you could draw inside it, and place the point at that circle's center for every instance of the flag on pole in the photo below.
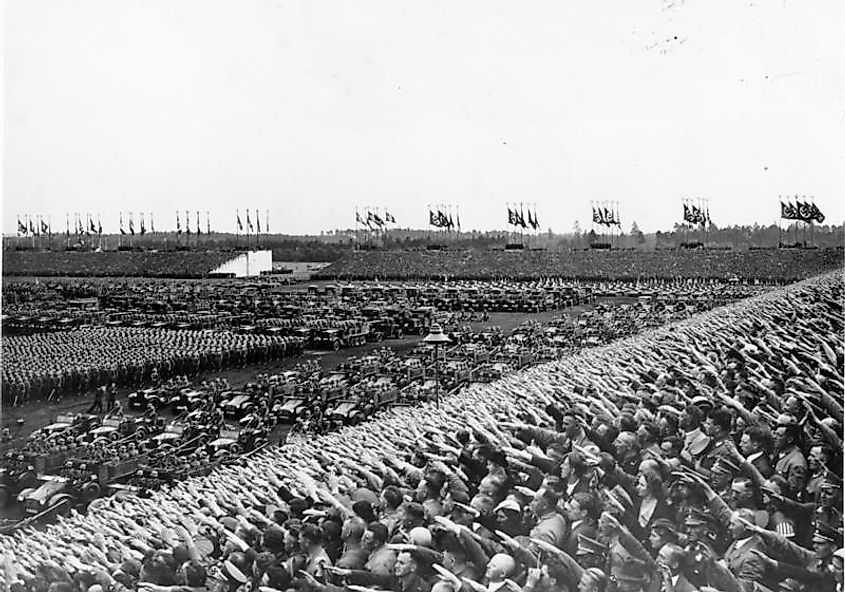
(388, 217)
(258, 221)
(131, 225)
(152, 224)
(199, 231)
(99, 226)
(178, 223)
(21, 227)
(124, 232)
(143, 226)
(249, 225)
(240, 224)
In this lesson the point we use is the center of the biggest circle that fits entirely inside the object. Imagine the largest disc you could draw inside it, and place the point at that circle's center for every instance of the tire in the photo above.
(379, 337)
(400, 334)
(335, 345)
(114, 436)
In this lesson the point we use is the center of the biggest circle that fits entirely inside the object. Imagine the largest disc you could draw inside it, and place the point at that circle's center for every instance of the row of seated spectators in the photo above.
(766, 265)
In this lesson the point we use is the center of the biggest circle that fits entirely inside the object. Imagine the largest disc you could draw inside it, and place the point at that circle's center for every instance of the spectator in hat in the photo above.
(631, 576)
(663, 532)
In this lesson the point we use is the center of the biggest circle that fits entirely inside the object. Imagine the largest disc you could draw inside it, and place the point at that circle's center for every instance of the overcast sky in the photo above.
(311, 107)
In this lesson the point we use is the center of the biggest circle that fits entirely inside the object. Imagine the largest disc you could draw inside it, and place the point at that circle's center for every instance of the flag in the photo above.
(451, 222)
(21, 227)
(597, 217)
(131, 225)
(687, 214)
(179, 225)
(257, 221)
(536, 220)
(188, 222)
(512, 219)
(608, 217)
(805, 213)
(442, 220)
(199, 231)
(530, 219)
(522, 217)
(358, 218)
(99, 226)
(377, 220)
(152, 224)
(432, 219)
(124, 232)
(36, 230)
(240, 224)
(816, 213)
(143, 227)
(91, 226)
(31, 228)
(388, 217)
(458, 216)
(249, 225)
(44, 228)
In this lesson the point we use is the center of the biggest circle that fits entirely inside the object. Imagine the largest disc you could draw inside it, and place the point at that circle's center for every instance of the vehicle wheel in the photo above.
(335, 345)
(422, 331)
(399, 334)
(236, 449)
(90, 491)
(114, 436)
(379, 337)
(62, 503)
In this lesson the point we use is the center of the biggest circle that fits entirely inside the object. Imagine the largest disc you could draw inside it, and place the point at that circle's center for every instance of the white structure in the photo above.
(249, 264)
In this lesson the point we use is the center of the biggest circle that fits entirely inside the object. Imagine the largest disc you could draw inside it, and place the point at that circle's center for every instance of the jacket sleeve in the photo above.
(786, 550)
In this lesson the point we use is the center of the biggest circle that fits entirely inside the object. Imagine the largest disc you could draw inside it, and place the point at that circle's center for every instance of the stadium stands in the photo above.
(767, 265)
(182, 264)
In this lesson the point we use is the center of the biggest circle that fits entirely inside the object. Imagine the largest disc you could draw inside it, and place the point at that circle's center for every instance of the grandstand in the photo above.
(771, 265)
(169, 264)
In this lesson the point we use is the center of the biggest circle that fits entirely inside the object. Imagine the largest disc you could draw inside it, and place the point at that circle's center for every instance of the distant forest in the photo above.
(331, 245)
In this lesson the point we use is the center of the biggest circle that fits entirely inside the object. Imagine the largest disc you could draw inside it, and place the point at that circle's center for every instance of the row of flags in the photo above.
(36, 227)
(372, 220)
(439, 219)
(142, 225)
(605, 216)
(249, 226)
(801, 210)
(697, 214)
(517, 218)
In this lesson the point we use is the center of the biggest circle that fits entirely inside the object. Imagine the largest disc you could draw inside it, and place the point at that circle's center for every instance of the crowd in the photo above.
(165, 264)
(40, 365)
(701, 456)
(768, 265)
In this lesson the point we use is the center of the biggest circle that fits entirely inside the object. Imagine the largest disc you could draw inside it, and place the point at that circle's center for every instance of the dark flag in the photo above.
(358, 218)
(257, 221)
(121, 224)
(179, 224)
(805, 213)
(143, 226)
(388, 217)
(512, 219)
(131, 224)
(816, 213)
(597, 219)
(249, 225)
(432, 219)
(21, 227)
(377, 220)
(45, 229)
(188, 222)
(451, 222)
(99, 226)
(240, 224)
(199, 230)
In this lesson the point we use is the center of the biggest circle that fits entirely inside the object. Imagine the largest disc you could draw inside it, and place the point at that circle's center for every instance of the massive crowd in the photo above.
(165, 264)
(34, 366)
(701, 456)
(776, 266)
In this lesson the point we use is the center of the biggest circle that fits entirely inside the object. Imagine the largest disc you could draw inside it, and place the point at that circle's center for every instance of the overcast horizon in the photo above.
(311, 108)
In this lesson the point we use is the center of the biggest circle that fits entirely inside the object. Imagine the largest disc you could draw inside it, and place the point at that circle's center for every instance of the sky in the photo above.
(311, 108)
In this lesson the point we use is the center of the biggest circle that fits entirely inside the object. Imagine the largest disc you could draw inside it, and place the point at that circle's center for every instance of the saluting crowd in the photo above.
(701, 456)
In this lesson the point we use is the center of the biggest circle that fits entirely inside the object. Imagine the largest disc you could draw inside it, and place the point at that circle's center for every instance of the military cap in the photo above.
(632, 570)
